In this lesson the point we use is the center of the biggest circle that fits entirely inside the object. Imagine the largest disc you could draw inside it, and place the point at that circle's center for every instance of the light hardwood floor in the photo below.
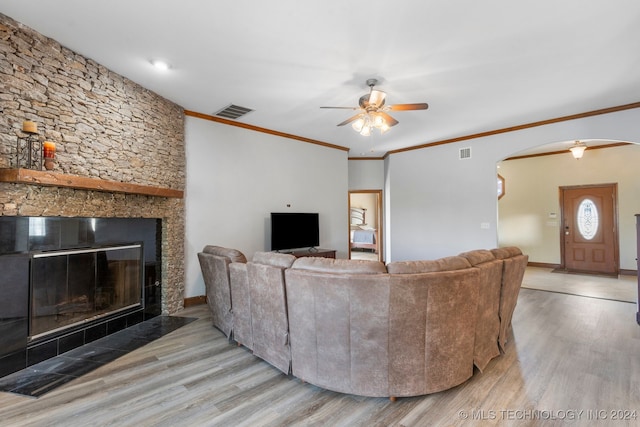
(622, 288)
(568, 354)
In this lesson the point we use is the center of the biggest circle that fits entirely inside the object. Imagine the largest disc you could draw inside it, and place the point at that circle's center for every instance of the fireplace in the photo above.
(68, 281)
(81, 285)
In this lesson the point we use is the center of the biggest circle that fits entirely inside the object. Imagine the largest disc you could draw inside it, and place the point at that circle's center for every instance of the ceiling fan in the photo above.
(373, 111)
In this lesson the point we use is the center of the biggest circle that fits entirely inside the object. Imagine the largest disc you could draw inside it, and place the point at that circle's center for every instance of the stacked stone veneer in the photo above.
(104, 126)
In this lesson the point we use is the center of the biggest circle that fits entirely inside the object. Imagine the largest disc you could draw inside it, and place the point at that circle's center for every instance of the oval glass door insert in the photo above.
(587, 219)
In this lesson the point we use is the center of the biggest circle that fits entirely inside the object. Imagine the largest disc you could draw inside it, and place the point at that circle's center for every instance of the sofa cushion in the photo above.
(274, 258)
(428, 266)
(487, 320)
(240, 296)
(506, 252)
(233, 254)
(432, 320)
(478, 256)
(339, 330)
(215, 272)
(336, 266)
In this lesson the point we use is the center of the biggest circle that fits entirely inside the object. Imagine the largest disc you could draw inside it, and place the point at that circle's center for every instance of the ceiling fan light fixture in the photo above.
(373, 111)
(358, 124)
(379, 121)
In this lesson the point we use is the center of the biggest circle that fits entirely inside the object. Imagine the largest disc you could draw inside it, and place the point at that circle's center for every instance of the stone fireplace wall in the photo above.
(104, 126)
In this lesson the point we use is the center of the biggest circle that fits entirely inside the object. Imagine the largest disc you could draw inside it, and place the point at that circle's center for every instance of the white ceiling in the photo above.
(481, 65)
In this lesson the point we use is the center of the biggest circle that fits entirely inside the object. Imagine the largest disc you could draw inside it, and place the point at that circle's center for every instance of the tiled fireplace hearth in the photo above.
(70, 281)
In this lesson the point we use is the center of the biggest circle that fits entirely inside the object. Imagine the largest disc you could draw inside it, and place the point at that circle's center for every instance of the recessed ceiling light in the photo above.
(160, 65)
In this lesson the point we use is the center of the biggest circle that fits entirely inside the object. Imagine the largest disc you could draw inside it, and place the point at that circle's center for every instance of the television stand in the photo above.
(324, 253)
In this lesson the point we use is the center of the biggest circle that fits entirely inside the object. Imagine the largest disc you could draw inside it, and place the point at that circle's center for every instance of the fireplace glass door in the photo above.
(75, 286)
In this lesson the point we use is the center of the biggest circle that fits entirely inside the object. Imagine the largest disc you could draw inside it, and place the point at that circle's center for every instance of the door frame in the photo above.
(616, 243)
(379, 221)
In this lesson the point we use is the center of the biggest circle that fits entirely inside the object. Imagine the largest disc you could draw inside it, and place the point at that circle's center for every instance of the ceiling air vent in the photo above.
(465, 153)
(233, 112)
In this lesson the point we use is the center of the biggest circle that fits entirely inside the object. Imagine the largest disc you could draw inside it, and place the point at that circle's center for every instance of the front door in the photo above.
(590, 229)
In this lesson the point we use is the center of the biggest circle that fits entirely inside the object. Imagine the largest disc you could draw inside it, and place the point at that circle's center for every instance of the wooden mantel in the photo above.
(46, 178)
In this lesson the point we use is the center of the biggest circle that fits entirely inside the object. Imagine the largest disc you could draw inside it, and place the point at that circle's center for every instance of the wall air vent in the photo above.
(465, 153)
(233, 112)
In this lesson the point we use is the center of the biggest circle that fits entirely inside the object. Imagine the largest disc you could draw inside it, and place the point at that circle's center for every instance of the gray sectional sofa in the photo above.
(362, 327)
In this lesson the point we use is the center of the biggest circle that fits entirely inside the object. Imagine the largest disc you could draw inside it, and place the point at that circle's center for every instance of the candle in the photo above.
(29, 127)
(49, 149)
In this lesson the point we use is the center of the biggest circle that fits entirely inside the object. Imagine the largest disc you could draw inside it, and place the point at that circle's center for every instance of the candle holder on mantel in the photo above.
(29, 150)
(49, 154)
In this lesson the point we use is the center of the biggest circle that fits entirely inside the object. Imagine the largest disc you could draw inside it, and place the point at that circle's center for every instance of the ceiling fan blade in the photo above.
(408, 107)
(350, 119)
(344, 108)
(387, 118)
(376, 97)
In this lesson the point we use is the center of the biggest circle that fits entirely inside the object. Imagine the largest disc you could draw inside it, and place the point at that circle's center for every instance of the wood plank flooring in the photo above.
(622, 288)
(568, 354)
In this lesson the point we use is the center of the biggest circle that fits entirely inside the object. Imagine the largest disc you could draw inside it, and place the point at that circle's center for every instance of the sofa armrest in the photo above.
(234, 255)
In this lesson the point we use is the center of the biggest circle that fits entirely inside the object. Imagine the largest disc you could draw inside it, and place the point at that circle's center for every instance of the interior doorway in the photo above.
(589, 232)
(365, 225)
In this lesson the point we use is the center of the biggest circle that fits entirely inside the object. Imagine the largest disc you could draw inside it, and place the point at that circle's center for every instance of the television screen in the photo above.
(294, 230)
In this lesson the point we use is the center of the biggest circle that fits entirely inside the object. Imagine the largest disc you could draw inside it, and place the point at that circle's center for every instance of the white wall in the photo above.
(437, 203)
(525, 212)
(366, 174)
(237, 177)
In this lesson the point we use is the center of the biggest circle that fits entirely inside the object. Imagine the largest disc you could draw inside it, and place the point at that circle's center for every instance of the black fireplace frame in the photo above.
(18, 243)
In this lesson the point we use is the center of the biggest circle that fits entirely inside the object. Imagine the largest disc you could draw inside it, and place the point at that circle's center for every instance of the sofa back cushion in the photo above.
(234, 255)
(506, 252)
(338, 266)
(478, 256)
(274, 259)
(428, 266)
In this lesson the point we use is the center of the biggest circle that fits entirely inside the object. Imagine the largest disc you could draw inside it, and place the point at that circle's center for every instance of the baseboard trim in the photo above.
(622, 272)
(628, 272)
(191, 301)
(542, 265)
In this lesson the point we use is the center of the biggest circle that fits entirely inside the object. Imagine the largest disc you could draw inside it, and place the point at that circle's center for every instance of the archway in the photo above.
(529, 215)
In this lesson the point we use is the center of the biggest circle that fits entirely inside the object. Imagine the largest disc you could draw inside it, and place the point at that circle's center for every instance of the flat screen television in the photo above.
(294, 230)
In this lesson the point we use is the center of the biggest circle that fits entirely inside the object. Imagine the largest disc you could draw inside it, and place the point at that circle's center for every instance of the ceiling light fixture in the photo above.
(368, 121)
(373, 111)
(160, 65)
(577, 150)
